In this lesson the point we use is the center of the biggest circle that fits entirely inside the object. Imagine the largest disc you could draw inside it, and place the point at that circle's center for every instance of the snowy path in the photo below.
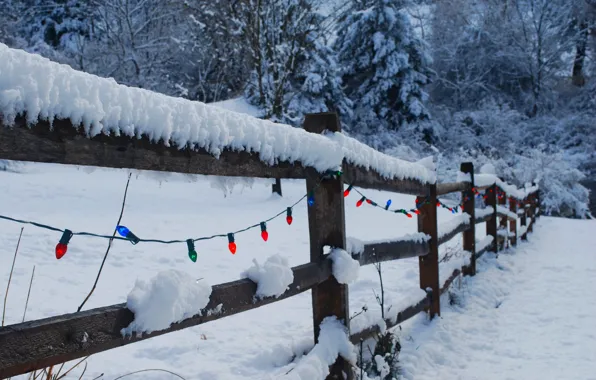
(529, 314)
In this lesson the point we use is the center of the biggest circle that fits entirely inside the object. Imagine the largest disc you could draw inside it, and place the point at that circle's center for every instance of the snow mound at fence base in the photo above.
(42, 89)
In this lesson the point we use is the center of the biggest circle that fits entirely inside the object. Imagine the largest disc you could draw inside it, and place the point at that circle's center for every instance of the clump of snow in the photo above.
(463, 177)
(488, 168)
(506, 211)
(365, 319)
(447, 227)
(428, 162)
(482, 212)
(457, 261)
(272, 278)
(345, 269)
(354, 246)
(333, 341)
(382, 366)
(47, 90)
(171, 296)
(485, 242)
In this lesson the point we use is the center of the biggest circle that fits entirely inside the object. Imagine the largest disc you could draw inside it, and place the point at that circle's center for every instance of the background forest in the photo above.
(509, 82)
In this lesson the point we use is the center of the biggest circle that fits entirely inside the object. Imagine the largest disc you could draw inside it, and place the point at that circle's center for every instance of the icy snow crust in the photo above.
(47, 90)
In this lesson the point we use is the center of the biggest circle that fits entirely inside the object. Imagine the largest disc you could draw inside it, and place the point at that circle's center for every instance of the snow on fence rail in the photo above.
(41, 106)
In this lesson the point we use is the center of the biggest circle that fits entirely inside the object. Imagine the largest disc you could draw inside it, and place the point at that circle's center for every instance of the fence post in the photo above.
(524, 220)
(469, 207)
(326, 225)
(531, 212)
(491, 224)
(276, 187)
(513, 223)
(429, 264)
(502, 201)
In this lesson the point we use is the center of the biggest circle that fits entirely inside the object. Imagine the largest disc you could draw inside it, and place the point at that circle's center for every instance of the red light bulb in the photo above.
(232, 247)
(359, 203)
(438, 204)
(409, 215)
(61, 250)
(369, 201)
(265, 235)
(289, 219)
(417, 212)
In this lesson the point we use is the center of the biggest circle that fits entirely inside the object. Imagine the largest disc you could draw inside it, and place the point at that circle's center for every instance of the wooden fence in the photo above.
(42, 343)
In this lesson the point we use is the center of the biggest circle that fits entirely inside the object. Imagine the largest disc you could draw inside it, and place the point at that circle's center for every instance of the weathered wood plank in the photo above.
(63, 144)
(369, 179)
(504, 218)
(450, 280)
(483, 219)
(461, 228)
(388, 251)
(469, 207)
(429, 264)
(491, 224)
(326, 227)
(33, 345)
(513, 222)
(482, 252)
(452, 187)
(402, 316)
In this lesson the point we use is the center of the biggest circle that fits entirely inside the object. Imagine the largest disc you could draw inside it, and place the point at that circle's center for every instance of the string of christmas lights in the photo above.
(406, 212)
(126, 234)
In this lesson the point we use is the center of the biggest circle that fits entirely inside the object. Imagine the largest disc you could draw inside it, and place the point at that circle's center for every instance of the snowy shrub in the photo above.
(383, 363)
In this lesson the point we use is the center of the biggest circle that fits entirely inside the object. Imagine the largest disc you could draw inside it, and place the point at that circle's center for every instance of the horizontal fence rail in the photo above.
(42, 343)
(388, 251)
(59, 339)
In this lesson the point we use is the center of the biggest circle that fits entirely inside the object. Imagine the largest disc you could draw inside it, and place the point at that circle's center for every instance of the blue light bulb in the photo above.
(311, 200)
(123, 231)
(388, 203)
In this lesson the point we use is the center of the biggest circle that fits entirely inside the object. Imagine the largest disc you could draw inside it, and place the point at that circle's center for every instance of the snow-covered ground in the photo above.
(529, 314)
(261, 344)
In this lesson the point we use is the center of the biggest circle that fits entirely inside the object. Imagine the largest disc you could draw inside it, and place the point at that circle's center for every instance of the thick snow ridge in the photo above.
(47, 90)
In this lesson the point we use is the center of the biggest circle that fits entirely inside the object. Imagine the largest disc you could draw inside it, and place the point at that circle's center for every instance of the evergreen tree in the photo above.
(316, 84)
(385, 65)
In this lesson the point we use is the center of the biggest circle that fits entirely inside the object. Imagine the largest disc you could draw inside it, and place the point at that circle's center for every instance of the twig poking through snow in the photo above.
(109, 246)
(14, 259)
(28, 293)
(151, 369)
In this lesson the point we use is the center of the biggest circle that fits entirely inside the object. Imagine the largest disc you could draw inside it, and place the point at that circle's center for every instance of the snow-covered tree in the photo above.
(316, 84)
(385, 65)
(294, 72)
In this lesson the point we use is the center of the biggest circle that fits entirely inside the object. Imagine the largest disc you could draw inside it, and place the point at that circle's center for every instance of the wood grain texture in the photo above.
(429, 264)
(369, 179)
(469, 207)
(388, 251)
(460, 228)
(62, 143)
(38, 344)
(326, 227)
(452, 187)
